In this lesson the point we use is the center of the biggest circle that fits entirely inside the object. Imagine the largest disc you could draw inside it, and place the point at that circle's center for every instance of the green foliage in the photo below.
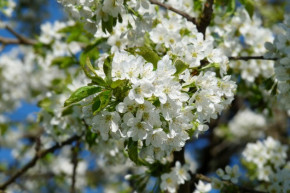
(76, 33)
(197, 5)
(107, 67)
(81, 93)
(157, 169)
(133, 151)
(45, 104)
(3, 129)
(229, 4)
(91, 138)
(3, 4)
(147, 53)
(229, 188)
(89, 70)
(249, 6)
(64, 61)
(101, 101)
(107, 26)
(180, 67)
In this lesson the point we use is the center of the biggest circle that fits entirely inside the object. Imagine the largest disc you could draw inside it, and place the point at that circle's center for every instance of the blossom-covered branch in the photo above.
(38, 156)
(179, 12)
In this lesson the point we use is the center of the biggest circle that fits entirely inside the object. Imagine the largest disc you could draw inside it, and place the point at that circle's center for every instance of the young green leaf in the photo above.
(89, 69)
(180, 66)
(133, 151)
(147, 53)
(63, 61)
(249, 5)
(108, 69)
(81, 93)
(101, 101)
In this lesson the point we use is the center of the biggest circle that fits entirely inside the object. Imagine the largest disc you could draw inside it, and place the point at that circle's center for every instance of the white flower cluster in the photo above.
(178, 175)
(55, 123)
(33, 72)
(230, 173)
(245, 125)
(242, 36)
(202, 187)
(93, 12)
(50, 33)
(281, 49)
(13, 75)
(280, 181)
(269, 157)
(156, 109)
(168, 34)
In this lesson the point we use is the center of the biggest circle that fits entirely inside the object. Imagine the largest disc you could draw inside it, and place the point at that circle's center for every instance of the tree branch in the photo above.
(179, 12)
(75, 165)
(19, 38)
(37, 156)
(205, 17)
(246, 58)
(207, 179)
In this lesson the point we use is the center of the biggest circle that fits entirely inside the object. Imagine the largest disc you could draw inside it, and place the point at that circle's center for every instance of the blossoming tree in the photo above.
(128, 89)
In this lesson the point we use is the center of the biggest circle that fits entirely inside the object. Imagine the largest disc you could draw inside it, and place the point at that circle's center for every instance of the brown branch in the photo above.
(246, 58)
(20, 39)
(179, 12)
(6, 41)
(32, 162)
(205, 17)
(207, 179)
(75, 151)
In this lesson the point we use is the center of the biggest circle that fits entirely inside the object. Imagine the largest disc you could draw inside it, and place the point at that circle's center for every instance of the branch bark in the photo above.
(75, 151)
(246, 58)
(205, 17)
(37, 156)
(20, 39)
(179, 12)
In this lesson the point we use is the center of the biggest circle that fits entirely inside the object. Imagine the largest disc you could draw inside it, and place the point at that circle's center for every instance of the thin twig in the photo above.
(207, 179)
(250, 58)
(75, 151)
(37, 156)
(179, 12)
(20, 39)
(6, 41)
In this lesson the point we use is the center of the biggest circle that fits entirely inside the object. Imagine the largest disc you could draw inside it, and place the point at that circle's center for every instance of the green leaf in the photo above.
(63, 61)
(133, 151)
(3, 129)
(101, 101)
(117, 83)
(147, 53)
(67, 111)
(81, 93)
(91, 138)
(107, 26)
(89, 69)
(231, 7)
(180, 67)
(45, 104)
(249, 6)
(107, 67)
(197, 4)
